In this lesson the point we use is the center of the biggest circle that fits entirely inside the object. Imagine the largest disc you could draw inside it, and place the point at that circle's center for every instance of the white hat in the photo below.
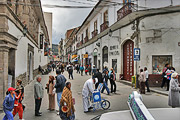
(174, 74)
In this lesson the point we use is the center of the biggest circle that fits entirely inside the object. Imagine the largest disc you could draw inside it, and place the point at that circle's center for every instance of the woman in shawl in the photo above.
(66, 100)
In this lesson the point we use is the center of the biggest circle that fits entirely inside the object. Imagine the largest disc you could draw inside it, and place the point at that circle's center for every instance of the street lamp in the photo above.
(25, 30)
(110, 35)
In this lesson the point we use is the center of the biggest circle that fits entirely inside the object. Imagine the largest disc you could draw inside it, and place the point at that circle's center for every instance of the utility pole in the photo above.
(137, 46)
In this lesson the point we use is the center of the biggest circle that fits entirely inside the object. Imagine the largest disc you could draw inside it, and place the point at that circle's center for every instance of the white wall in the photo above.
(148, 4)
(170, 27)
(22, 51)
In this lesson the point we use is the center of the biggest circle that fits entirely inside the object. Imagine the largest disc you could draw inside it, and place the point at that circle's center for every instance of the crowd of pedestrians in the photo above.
(58, 85)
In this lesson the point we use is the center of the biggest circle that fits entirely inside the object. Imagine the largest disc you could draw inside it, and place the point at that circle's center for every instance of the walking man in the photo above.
(60, 83)
(38, 95)
(105, 81)
(147, 76)
(98, 75)
(86, 91)
(82, 69)
(70, 71)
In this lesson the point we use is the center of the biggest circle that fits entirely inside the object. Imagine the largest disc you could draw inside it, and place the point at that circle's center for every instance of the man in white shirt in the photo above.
(147, 77)
(86, 92)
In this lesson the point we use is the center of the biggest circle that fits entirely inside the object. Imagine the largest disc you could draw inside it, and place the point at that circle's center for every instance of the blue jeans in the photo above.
(8, 116)
(59, 98)
(105, 87)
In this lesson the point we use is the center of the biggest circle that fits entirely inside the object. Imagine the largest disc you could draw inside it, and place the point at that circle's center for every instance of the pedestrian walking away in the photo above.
(89, 69)
(60, 83)
(67, 102)
(70, 71)
(112, 81)
(174, 91)
(51, 92)
(98, 75)
(8, 104)
(86, 92)
(82, 69)
(142, 80)
(105, 81)
(38, 95)
(147, 78)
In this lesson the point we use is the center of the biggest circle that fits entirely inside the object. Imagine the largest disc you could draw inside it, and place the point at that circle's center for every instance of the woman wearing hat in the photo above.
(174, 91)
(8, 104)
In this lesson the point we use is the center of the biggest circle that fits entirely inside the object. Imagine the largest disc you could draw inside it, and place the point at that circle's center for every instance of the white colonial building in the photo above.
(113, 29)
(24, 42)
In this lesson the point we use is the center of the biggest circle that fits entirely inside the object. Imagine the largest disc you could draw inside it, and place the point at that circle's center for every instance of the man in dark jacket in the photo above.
(105, 81)
(70, 71)
(98, 75)
(60, 83)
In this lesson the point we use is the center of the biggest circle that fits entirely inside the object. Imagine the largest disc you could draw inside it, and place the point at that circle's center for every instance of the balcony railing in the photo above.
(104, 26)
(86, 39)
(94, 33)
(125, 10)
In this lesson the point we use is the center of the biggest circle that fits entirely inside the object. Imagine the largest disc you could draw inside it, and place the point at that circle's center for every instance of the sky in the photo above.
(66, 18)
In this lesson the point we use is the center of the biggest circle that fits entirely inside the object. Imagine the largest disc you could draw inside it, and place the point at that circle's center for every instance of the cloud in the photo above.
(64, 18)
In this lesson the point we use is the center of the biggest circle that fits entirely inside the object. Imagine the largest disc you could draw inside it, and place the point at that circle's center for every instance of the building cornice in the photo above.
(134, 16)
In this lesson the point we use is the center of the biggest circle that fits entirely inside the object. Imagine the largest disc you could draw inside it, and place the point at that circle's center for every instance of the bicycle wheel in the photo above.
(105, 104)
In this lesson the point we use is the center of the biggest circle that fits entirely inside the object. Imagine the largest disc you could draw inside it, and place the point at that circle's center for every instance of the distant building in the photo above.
(48, 20)
(55, 49)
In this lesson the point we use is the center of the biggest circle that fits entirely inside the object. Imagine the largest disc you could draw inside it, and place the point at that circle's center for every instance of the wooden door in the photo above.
(128, 62)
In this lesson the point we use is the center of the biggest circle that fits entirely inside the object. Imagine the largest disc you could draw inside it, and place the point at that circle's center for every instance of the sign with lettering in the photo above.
(113, 53)
(136, 54)
(137, 108)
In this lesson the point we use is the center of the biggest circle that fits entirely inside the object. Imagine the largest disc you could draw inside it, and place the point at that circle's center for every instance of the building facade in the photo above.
(109, 35)
(24, 40)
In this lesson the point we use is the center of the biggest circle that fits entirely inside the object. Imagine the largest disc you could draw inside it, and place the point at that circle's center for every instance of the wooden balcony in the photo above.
(94, 33)
(125, 10)
(86, 39)
(104, 26)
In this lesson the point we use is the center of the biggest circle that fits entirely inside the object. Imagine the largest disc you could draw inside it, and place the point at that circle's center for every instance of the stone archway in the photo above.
(128, 62)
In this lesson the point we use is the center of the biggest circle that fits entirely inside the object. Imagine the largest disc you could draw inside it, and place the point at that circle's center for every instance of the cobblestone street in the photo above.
(118, 101)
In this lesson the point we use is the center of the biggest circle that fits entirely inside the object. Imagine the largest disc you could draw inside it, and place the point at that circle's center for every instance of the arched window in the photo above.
(105, 54)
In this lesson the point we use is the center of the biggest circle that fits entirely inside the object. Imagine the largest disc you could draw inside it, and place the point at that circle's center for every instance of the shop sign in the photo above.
(74, 56)
(85, 56)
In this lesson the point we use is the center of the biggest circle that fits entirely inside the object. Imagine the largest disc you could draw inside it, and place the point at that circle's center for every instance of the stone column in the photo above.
(3, 72)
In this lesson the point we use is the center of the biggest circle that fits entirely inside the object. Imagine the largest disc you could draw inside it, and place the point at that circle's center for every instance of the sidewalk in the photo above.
(158, 90)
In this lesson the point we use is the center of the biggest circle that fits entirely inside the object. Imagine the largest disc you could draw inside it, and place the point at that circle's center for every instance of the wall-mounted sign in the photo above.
(136, 54)
(113, 53)
(46, 49)
(41, 41)
(85, 56)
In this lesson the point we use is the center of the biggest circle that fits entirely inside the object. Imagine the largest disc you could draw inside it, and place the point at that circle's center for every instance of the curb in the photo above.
(153, 90)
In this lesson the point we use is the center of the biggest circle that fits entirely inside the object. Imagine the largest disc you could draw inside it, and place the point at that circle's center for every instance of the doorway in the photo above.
(128, 62)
